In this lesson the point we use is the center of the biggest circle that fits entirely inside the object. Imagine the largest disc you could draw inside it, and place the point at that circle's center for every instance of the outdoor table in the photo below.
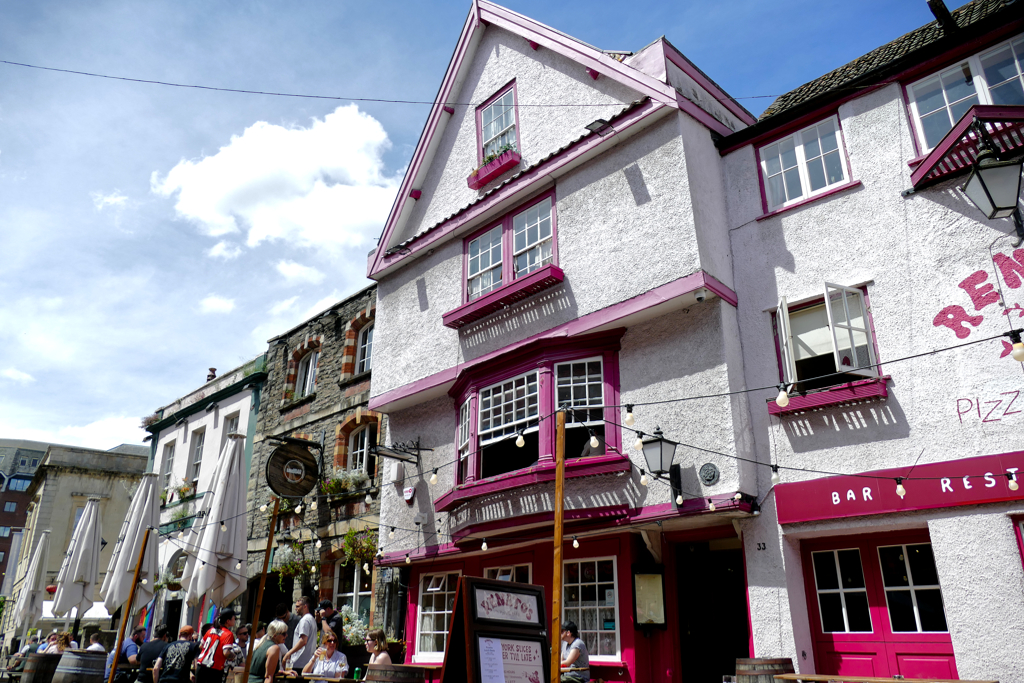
(866, 679)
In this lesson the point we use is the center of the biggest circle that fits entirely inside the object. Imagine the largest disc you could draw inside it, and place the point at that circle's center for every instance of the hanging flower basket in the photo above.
(174, 585)
(51, 589)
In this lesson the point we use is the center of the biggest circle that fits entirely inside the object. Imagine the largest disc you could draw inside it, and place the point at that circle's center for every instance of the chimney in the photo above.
(212, 376)
(942, 15)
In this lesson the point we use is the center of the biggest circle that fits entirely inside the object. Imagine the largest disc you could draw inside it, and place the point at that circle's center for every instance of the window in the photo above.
(508, 408)
(912, 592)
(992, 77)
(354, 588)
(359, 447)
(842, 594)
(464, 440)
(2, 555)
(35, 462)
(518, 573)
(5, 531)
(437, 596)
(230, 427)
(497, 123)
(590, 597)
(518, 245)
(198, 438)
(364, 359)
(168, 465)
(78, 515)
(804, 164)
(24, 462)
(10, 507)
(19, 484)
(305, 382)
(581, 383)
(819, 339)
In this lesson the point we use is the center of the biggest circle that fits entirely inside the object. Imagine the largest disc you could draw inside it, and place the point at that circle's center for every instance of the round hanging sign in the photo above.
(292, 471)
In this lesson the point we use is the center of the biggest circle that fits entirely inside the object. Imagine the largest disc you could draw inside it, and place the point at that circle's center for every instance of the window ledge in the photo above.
(519, 289)
(808, 200)
(871, 389)
(296, 402)
(492, 170)
(544, 472)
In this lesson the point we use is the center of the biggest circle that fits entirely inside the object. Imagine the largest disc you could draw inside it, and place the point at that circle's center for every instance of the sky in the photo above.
(148, 232)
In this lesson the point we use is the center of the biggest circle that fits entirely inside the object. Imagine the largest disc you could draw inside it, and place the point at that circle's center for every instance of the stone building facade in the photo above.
(317, 391)
(19, 460)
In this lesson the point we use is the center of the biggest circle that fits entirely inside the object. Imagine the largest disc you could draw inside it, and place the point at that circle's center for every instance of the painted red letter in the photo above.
(957, 319)
(981, 295)
(1011, 268)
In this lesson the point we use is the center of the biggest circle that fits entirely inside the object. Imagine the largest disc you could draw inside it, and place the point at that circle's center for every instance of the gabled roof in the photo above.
(970, 14)
(544, 37)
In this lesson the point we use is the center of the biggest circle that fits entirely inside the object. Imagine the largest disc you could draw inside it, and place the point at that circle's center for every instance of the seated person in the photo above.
(327, 661)
(575, 656)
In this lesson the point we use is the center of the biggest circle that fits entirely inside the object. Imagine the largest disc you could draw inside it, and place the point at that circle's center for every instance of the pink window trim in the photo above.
(498, 299)
(479, 121)
(507, 246)
(540, 473)
(868, 389)
(1017, 520)
(492, 169)
(585, 519)
(803, 202)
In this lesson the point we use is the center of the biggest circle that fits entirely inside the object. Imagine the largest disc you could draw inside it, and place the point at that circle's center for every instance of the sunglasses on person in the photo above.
(330, 640)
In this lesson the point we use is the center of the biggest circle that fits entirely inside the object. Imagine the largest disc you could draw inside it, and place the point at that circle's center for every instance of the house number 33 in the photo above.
(762, 546)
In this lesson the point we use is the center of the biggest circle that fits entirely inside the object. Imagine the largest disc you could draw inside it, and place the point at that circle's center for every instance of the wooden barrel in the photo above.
(398, 673)
(80, 666)
(40, 668)
(761, 670)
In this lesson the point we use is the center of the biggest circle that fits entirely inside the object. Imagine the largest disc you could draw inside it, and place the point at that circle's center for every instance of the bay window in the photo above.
(995, 76)
(520, 243)
(804, 164)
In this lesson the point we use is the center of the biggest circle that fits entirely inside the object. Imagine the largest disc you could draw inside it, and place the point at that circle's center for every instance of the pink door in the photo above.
(876, 607)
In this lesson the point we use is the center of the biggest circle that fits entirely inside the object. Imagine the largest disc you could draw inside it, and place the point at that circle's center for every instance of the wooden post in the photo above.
(128, 606)
(556, 587)
(259, 595)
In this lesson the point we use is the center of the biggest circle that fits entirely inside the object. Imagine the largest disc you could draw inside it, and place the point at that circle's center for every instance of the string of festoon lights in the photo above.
(628, 424)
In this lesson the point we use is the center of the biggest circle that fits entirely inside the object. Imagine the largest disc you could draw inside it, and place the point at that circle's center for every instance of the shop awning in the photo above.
(956, 152)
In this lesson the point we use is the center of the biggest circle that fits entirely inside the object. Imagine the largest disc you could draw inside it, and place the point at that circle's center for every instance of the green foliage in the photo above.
(494, 155)
(352, 626)
(359, 546)
(343, 483)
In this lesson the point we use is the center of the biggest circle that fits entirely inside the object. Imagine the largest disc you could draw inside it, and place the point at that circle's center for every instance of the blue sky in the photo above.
(148, 233)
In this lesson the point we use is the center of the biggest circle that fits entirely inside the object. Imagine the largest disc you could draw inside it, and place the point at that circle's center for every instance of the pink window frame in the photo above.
(818, 302)
(507, 245)
(881, 636)
(790, 131)
(511, 85)
(543, 360)
(1018, 522)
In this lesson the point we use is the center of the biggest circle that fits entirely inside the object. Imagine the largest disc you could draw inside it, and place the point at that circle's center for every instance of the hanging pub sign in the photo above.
(292, 470)
(498, 634)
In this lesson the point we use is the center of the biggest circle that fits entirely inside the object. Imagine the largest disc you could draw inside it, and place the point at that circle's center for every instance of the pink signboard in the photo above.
(970, 481)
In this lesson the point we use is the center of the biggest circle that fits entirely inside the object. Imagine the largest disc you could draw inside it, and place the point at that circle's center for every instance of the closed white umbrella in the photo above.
(76, 582)
(143, 515)
(218, 538)
(28, 608)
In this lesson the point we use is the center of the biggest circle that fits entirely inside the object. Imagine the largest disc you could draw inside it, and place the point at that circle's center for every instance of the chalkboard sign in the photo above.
(498, 634)
(292, 470)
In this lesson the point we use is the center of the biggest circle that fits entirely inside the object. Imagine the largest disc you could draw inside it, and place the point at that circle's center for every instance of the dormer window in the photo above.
(496, 123)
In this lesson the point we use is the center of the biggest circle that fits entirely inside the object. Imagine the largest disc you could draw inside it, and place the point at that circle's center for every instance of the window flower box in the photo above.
(492, 169)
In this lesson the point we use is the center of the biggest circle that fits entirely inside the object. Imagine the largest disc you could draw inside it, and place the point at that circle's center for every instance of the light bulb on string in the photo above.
(145, 582)
(181, 534)
(316, 587)
(520, 441)
(298, 509)
(238, 565)
(366, 567)
(223, 526)
(1017, 352)
(639, 443)
(312, 506)
(433, 477)
(629, 419)
(900, 491)
(775, 475)
(738, 496)
(575, 542)
(483, 546)
(263, 508)
(711, 505)
(391, 534)
(782, 400)
(319, 543)
(594, 443)
(679, 499)
(643, 477)
(369, 499)
(1013, 481)
(408, 560)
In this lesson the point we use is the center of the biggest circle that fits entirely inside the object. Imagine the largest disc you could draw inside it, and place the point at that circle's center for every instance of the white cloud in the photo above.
(224, 250)
(283, 306)
(104, 433)
(320, 186)
(102, 201)
(17, 376)
(295, 273)
(216, 304)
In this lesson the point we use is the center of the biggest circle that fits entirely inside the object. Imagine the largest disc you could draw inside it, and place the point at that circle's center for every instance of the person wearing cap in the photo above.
(328, 617)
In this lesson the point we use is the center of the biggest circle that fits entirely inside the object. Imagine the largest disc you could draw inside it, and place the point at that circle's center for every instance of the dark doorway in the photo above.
(274, 593)
(713, 623)
(172, 615)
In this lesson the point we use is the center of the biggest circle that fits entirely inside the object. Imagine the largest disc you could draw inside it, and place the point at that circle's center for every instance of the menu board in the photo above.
(511, 660)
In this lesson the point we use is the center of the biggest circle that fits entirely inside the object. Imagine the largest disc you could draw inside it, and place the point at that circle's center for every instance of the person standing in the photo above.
(217, 649)
(284, 614)
(304, 641)
(175, 664)
(266, 660)
(150, 652)
(329, 618)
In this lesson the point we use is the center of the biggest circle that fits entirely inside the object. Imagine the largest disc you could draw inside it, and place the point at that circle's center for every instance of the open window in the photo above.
(305, 381)
(826, 342)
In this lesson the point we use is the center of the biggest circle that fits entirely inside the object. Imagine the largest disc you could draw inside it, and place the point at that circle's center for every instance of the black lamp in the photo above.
(994, 185)
(658, 452)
